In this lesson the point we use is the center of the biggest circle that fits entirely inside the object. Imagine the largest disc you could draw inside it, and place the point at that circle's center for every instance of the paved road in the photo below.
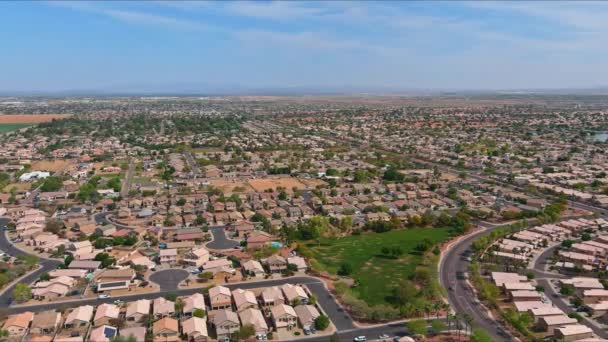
(196, 171)
(7, 247)
(126, 185)
(169, 279)
(461, 297)
(101, 219)
(220, 240)
(340, 318)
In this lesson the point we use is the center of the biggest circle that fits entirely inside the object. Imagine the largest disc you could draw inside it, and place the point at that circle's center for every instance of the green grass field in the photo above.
(377, 275)
(12, 127)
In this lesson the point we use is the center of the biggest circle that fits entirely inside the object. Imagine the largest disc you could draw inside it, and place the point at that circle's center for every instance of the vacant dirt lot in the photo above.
(272, 183)
(33, 118)
(228, 185)
(52, 165)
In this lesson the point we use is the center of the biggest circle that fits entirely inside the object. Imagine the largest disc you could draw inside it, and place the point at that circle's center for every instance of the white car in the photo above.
(360, 338)
(103, 296)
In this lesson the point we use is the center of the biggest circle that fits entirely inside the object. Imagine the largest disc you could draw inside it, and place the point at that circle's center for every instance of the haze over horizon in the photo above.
(181, 47)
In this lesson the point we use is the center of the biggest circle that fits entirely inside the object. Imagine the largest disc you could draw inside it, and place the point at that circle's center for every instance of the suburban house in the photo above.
(283, 317)
(220, 298)
(79, 317)
(163, 307)
(193, 302)
(168, 256)
(253, 268)
(306, 315)
(45, 322)
(244, 299)
(137, 310)
(276, 263)
(17, 324)
(166, 330)
(105, 313)
(298, 262)
(573, 332)
(195, 328)
(197, 257)
(104, 333)
(139, 333)
(226, 323)
(256, 319)
(294, 294)
(272, 296)
(115, 279)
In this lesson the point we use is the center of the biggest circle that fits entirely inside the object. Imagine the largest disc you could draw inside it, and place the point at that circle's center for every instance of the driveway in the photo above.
(169, 279)
(220, 240)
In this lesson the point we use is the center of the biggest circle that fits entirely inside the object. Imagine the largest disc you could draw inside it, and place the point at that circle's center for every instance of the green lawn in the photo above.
(377, 275)
(12, 127)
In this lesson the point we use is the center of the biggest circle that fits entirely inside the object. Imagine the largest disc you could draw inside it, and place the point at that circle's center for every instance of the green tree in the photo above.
(322, 322)
(480, 335)
(200, 313)
(417, 327)
(246, 331)
(51, 184)
(438, 326)
(22, 292)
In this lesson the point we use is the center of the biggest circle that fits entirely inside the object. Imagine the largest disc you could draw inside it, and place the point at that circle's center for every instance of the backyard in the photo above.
(376, 271)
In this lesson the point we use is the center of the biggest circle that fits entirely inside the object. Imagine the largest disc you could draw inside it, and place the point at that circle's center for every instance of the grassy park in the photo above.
(375, 271)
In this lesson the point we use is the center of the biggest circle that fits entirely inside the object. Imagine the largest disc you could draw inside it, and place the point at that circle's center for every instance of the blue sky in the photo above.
(131, 46)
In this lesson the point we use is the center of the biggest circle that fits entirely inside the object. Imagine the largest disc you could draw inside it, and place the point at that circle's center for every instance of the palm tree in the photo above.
(468, 321)
(456, 319)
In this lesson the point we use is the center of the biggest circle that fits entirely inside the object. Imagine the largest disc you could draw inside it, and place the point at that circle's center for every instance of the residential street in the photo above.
(220, 240)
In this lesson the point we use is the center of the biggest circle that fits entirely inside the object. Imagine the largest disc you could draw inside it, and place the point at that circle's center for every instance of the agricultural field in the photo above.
(8, 127)
(376, 273)
(15, 122)
(30, 118)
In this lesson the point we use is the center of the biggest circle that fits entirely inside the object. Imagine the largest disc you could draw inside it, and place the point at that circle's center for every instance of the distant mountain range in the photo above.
(191, 89)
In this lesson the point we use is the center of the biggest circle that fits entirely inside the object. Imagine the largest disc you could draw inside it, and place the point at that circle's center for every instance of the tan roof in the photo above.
(81, 313)
(243, 297)
(21, 320)
(271, 294)
(46, 319)
(106, 311)
(225, 315)
(195, 326)
(165, 323)
(141, 306)
(253, 317)
(306, 313)
(282, 310)
(163, 306)
(195, 301)
(217, 290)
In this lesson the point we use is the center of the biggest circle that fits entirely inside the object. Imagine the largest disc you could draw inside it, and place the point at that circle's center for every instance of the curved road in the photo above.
(6, 246)
(461, 297)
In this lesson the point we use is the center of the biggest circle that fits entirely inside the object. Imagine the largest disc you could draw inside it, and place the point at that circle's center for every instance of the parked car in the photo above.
(103, 296)
(383, 337)
(360, 339)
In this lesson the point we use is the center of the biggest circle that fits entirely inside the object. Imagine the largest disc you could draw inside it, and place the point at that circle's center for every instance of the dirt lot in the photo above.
(272, 183)
(52, 165)
(228, 185)
(33, 118)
